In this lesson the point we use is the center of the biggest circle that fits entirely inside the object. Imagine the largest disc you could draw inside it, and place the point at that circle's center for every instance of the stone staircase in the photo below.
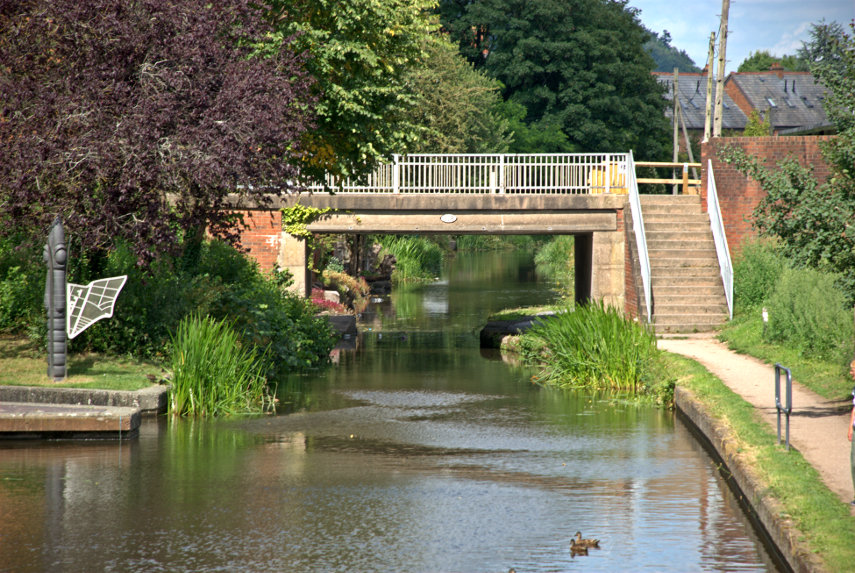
(688, 295)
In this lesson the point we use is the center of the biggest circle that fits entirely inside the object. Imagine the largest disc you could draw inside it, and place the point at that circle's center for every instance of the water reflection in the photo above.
(413, 454)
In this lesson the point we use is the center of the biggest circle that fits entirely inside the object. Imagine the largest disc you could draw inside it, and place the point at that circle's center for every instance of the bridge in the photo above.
(593, 197)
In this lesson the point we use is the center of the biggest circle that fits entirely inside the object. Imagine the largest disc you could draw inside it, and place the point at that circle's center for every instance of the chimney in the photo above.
(778, 69)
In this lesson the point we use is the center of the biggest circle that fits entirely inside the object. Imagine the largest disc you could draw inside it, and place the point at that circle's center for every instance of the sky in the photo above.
(778, 26)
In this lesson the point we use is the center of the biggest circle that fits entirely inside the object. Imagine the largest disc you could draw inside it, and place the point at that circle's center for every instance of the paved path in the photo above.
(817, 426)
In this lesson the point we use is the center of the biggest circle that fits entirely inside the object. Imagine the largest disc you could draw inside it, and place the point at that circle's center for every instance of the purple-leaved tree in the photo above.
(134, 119)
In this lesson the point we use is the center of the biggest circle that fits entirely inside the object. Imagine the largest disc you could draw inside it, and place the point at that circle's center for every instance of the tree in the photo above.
(666, 56)
(135, 121)
(756, 127)
(578, 64)
(762, 61)
(459, 107)
(816, 221)
(361, 52)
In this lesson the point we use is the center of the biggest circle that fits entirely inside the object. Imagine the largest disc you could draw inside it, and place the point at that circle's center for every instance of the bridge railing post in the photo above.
(396, 173)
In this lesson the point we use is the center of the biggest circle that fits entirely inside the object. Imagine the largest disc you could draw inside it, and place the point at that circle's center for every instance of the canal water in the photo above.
(417, 451)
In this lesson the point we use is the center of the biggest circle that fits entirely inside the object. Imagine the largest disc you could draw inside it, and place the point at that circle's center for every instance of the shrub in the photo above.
(808, 311)
(756, 271)
(22, 287)
(593, 346)
(555, 261)
(418, 258)
(353, 291)
(213, 372)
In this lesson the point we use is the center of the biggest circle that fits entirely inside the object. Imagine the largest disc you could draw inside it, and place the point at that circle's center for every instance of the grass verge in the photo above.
(22, 364)
(744, 334)
(816, 511)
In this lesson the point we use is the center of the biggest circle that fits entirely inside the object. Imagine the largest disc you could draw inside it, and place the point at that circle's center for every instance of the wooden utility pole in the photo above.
(708, 116)
(676, 121)
(719, 84)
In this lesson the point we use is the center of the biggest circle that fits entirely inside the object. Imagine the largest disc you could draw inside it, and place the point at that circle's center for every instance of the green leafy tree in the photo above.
(360, 54)
(577, 64)
(762, 61)
(666, 56)
(459, 107)
(816, 221)
(756, 127)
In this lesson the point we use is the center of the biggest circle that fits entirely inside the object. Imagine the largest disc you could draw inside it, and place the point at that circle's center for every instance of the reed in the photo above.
(213, 373)
(594, 346)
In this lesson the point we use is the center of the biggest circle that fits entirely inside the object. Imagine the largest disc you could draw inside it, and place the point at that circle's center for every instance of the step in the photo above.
(707, 289)
(661, 308)
(658, 208)
(688, 280)
(683, 263)
(670, 199)
(671, 234)
(29, 419)
(672, 227)
(675, 218)
(684, 253)
(691, 243)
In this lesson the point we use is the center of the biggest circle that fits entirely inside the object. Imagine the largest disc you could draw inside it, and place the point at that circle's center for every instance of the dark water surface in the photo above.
(416, 452)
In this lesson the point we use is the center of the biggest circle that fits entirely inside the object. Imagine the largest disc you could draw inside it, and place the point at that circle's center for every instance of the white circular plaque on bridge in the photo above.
(448, 218)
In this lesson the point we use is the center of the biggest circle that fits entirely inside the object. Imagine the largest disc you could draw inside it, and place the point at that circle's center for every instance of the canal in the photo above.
(417, 452)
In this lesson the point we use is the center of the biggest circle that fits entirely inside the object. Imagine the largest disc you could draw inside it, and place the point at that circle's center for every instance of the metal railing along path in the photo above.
(640, 238)
(493, 173)
(717, 225)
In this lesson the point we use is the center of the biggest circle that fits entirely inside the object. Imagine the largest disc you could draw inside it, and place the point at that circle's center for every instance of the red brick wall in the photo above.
(261, 236)
(738, 195)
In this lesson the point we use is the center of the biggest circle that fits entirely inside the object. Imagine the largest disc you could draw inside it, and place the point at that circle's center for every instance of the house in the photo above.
(792, 101)
(693, 94)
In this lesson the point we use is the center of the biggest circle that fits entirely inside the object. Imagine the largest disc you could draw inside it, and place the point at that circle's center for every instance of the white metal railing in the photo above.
(542, 173)
(717, 224)
(640, 237)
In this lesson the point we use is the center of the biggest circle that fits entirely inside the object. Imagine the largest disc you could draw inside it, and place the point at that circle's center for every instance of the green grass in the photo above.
(522, 312)
(744, 334)
(23, 364)
(823, 519)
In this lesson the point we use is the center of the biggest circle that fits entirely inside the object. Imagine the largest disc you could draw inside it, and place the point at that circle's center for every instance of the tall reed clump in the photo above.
(417, 258)
(594, 346)
(213, 373)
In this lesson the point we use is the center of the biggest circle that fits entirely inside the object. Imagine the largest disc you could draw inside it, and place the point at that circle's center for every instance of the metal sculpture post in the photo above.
(55, 256)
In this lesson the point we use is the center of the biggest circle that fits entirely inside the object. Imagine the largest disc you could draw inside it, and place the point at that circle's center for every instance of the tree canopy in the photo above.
(134, 121)
(762, 61)
(668, 57)
(361, 51)
(575, 64)
(459, 107)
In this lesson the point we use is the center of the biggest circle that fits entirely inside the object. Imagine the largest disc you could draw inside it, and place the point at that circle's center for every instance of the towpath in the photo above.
(818, 426)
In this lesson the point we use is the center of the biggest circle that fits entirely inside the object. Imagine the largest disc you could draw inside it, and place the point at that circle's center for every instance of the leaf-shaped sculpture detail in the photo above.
(89, 304)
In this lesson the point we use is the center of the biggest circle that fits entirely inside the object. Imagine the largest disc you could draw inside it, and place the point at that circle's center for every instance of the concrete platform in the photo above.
(39, 412)
(28, 420)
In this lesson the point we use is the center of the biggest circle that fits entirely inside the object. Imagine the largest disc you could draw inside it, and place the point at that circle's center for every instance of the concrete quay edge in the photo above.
(149, 401)
(20, 420)
(741, 476)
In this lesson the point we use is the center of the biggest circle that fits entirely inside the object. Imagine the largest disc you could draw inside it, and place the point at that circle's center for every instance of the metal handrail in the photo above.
(492, 173)
(640, 236)
(785, 408)
(720, 238)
